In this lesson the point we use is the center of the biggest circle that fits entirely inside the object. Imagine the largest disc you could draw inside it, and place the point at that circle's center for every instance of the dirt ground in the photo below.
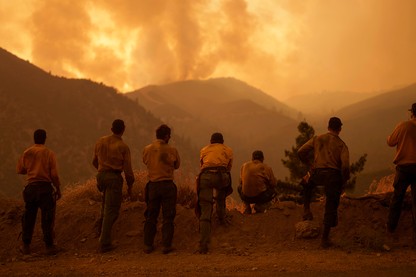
(250, 245)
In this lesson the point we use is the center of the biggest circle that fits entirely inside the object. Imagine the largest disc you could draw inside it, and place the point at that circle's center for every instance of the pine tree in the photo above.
(298, 169)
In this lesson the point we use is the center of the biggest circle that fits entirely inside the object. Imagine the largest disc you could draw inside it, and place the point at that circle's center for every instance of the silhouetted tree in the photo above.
(298, 169)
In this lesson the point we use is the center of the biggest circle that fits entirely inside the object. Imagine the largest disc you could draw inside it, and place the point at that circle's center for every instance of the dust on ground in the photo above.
(258, 244)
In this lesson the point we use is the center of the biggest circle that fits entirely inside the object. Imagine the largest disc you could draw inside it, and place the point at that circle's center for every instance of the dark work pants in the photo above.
(111, 184)
(331, 180)
(263, 197)
(160, 194)
(39, 195)
(208, 192)
(405, 176)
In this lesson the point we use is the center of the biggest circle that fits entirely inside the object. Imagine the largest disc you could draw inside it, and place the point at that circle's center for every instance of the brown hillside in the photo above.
(75, 113)
(259, 244)
(249, 118)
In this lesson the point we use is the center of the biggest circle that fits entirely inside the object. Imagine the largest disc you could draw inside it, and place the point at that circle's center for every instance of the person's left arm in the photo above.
(95, 157)
(393, 139)
(177, 161)
(20, 168)
(231, 158)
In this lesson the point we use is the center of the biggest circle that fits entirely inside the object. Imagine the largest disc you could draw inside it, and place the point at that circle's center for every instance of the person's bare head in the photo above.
(257, 155)
(413, 110)
(118, 127)
(217, 138)
(335, 124)
(163, 132)
(39, 136)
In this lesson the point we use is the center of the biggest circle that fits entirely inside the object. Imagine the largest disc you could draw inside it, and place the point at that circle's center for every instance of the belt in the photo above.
(113, 171)
(327, 169)
(39, 183)
(214, 169)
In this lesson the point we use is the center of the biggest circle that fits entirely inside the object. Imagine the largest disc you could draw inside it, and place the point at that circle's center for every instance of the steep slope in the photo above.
(75, 113)
(248, 118)
(324, 103)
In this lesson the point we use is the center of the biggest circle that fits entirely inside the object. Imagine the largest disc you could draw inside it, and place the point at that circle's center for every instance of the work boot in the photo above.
(148, 249)
(326, 243)
(307, 215)
(203, 249)
(52, 250)
(389, 229)
(167, 249)
(262, 208)
(106, 248)
(25, 249)
(247, 209)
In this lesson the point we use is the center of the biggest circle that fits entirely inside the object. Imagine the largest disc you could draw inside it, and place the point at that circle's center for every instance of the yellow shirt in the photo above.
(329, 152)
(216, 154)
(161, 160)
(111, 153)
(404, 138)
(256, 177)
(39, 164)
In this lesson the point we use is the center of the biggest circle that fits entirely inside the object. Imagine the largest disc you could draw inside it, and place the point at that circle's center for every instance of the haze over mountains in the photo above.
(76, 112)
(315, 105)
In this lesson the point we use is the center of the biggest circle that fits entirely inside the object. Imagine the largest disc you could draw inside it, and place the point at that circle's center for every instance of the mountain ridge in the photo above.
(74, 113)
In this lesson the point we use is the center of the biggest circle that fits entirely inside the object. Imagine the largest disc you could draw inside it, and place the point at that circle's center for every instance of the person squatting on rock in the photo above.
(42, 190)
(330, 169)
(111, 158)
(257, 184)
(404, 139)
(213, 185)
(161, 160)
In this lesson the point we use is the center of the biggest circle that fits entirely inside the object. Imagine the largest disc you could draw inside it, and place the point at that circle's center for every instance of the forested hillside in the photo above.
(74, 112)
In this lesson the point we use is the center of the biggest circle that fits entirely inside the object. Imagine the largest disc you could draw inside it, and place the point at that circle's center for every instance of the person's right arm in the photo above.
(393, 139)
(304, 150)
(54, 175)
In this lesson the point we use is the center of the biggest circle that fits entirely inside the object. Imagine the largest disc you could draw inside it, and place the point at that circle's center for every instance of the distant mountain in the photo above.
(75, 113)
(248, 118)
(368, 123)
(324, 103)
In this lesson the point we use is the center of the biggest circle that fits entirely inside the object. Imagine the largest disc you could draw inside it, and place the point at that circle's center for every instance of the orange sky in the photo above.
(283, 47)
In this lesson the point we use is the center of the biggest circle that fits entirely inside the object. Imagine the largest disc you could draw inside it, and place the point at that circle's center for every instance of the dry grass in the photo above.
(385, 184)
(88, 190)
(185, 183)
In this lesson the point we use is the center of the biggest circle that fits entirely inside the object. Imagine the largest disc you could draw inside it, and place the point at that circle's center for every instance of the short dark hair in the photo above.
(217, 138)
(413, 109)
(335, 124)
(118, 126)
(162, 131)
(257, 155)
(39, 136)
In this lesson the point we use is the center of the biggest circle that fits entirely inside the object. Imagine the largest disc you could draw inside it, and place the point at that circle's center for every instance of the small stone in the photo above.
(386, 247)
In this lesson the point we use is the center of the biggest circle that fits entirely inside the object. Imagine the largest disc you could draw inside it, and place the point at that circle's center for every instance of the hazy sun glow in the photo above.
(283, 47)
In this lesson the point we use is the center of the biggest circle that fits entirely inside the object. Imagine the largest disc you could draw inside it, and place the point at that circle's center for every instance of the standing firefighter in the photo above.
(330, 169)
(404, 139)
(213, 183)
(161, 160)
(42, 191)
(111, 158)
(257, 184)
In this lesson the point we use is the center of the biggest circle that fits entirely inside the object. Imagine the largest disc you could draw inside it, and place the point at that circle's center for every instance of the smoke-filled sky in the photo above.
(283, 47)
